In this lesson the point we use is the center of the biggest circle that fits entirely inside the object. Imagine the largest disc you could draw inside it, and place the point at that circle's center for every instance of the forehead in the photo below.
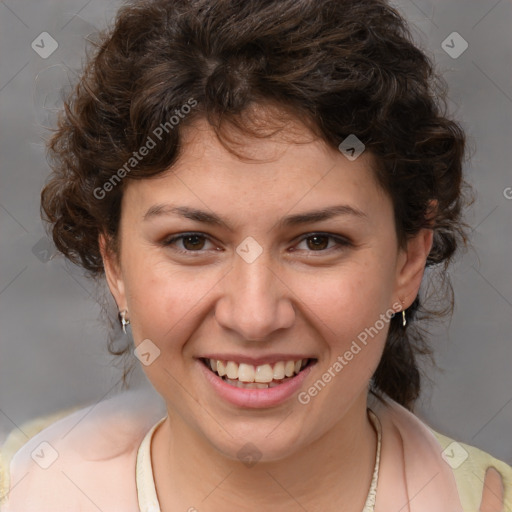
(291, 167)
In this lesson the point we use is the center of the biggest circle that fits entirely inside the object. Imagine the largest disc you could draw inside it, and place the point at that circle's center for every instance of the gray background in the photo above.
(53, 342)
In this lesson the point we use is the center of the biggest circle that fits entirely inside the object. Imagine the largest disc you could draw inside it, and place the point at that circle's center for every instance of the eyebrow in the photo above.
(288, 221)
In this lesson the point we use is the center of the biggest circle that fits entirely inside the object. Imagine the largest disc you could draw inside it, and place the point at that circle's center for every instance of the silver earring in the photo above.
(124, 321)
(404, 320)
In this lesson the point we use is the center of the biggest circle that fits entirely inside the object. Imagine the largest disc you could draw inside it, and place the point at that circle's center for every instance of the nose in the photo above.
(256, 300)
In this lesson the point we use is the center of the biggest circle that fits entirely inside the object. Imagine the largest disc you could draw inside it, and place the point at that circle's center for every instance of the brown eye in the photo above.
(318, 242)
(193, 242)
(323, 243)
(190, 243)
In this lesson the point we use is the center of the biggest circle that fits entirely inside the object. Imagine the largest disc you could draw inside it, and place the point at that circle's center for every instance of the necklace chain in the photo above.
(369, 505)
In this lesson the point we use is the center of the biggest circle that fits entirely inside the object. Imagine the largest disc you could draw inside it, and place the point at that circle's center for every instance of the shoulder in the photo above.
(80, 460)
(469, 465)
(463, 470)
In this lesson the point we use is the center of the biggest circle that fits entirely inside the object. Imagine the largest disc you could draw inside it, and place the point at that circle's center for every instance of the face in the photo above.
(256, 281)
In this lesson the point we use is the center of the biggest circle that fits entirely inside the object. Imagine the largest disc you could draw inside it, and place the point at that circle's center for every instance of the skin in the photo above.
(294, 298)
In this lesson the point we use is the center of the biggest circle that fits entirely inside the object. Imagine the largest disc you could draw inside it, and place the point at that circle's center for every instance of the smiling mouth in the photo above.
(264, 376)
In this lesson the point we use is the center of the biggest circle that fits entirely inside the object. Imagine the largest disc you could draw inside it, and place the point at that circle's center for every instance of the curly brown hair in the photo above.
(339, 66)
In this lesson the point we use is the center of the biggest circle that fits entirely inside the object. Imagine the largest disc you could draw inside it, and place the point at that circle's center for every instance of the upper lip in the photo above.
(256, 361)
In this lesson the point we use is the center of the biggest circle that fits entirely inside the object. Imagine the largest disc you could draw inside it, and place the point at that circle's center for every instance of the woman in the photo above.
(262, 184)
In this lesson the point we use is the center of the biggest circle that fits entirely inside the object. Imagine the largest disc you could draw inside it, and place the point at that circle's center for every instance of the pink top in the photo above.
(98, 458)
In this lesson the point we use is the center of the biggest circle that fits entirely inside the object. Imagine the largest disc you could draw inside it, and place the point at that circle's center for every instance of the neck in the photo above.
(331, 473)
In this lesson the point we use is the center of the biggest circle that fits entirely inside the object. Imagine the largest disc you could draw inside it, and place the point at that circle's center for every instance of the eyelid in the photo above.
(341, 242)
(169, 241)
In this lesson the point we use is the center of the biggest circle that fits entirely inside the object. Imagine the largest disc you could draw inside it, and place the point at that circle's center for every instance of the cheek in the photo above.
(350, 298)
(164, 302)
(166, 308)
(351, 314)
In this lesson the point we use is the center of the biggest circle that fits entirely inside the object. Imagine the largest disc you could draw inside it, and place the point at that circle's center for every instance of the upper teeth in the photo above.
(262, 373)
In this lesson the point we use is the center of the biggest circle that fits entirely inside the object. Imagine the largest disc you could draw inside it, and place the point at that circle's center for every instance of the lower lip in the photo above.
(255, 398)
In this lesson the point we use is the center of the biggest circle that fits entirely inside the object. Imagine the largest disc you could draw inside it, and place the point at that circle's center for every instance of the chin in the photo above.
(259, 443)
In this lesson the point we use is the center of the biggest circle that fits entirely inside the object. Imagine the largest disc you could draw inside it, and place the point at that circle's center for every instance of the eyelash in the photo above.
(341, 242)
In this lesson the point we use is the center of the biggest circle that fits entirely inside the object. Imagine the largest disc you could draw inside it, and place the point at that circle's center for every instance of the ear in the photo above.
(113, 273)
(411, 266)
(412, 259)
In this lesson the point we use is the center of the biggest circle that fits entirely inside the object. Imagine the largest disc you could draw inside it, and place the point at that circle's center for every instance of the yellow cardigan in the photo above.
(469, 476)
